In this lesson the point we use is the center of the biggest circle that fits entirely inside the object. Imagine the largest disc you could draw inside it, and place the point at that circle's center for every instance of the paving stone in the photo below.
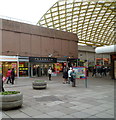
(67, 116)
(31, 112)
(79, 108)
(68, 111)
(90, 111)
(110, 112)
(43, 116)
(64, 101)
(20, 115)
(104, 115)
(56, 114)
(98, 108)
(67, 104)
(81, 115)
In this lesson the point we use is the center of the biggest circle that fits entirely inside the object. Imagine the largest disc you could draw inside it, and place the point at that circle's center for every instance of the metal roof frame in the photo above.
(92, 21)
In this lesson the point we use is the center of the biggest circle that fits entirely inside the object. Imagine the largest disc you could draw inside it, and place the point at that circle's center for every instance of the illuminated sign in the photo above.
(23, 68)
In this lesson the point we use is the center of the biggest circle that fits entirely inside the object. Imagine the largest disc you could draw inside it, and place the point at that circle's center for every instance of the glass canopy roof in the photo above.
(92, 21)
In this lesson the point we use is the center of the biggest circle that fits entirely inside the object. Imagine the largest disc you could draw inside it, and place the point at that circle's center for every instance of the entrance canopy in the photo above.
(91, 20)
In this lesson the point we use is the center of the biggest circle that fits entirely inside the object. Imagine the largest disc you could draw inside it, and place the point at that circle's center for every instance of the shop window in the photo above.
(23, 69)
(9, 65)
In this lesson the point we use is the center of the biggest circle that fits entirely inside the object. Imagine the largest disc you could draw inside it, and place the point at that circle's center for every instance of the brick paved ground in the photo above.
(64, 101)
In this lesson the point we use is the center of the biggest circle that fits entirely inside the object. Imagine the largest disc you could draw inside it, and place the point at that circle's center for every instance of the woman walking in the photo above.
(8, 76)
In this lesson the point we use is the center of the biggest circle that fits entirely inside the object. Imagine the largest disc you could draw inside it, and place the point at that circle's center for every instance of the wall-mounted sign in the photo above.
(8, 58)
(42, 59)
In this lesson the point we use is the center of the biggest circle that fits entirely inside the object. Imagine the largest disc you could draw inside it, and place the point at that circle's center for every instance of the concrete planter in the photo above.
(11, 101)
(39, 84)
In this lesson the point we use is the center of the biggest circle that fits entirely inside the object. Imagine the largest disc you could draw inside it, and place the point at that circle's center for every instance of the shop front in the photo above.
(113, 66)
(61, 63)
(40, 65)
(8, 62)
(23, 67)
(73, 62)
(20, 65)
(102, 61)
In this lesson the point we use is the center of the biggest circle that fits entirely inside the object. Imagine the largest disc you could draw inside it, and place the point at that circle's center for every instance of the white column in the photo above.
(103, 58)
(95, 58)
(18, 68)
(31, 69)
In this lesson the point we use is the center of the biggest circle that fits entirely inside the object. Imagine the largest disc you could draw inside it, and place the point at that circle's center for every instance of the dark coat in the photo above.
(65, 73)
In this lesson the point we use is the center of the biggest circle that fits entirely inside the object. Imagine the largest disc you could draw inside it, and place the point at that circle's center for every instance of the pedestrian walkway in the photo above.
(64, 101)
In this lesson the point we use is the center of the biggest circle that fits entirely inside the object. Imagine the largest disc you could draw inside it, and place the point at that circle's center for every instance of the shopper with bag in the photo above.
(3, 80)
(8, 76)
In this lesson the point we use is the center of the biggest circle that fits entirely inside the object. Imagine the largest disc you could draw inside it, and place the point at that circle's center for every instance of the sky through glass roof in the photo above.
(93, 22)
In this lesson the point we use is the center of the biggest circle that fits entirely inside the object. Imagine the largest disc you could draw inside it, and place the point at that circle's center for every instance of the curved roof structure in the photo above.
(92, 21)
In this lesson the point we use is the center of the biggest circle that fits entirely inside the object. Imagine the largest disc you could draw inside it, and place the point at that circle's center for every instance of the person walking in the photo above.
(2, 87)
(73, 78)
(45, 71)
(65, 75)
(8, 76)
(49, 73)
(104, 71)
(94, 71)
(2, 79)
(12, 76)
(69, 76)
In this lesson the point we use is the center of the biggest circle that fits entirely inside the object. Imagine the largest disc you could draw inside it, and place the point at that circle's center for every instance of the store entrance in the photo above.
(41, 69)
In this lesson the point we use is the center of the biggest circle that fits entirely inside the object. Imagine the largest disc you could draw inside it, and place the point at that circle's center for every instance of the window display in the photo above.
(23, 69)
(9, 65)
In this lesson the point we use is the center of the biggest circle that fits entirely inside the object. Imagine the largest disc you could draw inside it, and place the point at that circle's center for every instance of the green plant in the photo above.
(9, 92)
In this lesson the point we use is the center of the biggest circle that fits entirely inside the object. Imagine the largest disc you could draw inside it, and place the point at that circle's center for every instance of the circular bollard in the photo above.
(39, 84)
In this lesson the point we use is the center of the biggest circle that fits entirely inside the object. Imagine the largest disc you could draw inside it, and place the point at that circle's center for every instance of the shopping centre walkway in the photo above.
(64, 101)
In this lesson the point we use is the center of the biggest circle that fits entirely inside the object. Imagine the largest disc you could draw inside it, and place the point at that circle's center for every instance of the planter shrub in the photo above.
(39, 84)
(10, 100)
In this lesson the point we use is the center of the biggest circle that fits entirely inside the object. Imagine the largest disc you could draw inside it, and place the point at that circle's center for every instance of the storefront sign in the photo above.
(23, 58)
(42, 59)
(61, 59)
(13, 65)
(8, 58)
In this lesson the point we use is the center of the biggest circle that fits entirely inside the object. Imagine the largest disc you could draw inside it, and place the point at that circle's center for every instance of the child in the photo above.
(3, 80)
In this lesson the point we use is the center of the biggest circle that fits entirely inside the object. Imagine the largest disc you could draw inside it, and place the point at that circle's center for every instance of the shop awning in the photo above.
(106, 49)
